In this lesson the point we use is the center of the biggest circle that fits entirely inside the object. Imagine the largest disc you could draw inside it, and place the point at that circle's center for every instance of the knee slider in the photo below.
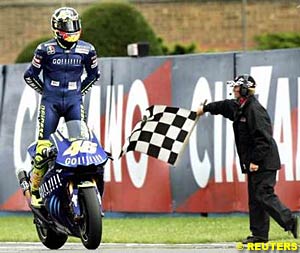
(41, 145)
(39, 159)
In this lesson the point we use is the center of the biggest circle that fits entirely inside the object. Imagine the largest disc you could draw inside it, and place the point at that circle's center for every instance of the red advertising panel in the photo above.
(151, 192)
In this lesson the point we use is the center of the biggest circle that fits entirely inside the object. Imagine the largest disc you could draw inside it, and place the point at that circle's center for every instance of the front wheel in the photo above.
(91, 224)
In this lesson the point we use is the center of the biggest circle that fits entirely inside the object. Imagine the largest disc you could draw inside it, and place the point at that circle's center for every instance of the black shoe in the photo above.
(254, 239)
(295, 228)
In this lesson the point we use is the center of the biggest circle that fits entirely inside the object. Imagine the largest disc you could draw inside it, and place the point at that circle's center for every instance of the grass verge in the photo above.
(152, 230)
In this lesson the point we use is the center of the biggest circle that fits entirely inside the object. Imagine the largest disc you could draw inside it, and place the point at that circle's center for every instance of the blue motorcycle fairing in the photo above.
(79, 152)
(53, 192)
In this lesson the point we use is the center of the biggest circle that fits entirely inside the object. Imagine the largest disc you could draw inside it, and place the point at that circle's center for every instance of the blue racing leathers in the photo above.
(62, 86)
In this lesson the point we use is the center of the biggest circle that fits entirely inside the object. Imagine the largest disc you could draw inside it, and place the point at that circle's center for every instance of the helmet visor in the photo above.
(68, 25)
(69, 37)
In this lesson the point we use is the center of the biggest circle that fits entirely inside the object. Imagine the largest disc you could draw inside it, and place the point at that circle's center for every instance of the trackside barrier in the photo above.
(208, 177)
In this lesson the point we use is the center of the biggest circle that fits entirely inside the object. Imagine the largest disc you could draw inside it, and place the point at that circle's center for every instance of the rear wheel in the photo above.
(91, 224)
(50, 238)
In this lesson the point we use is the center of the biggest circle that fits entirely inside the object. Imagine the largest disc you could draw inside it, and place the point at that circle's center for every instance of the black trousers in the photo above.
(263, 203)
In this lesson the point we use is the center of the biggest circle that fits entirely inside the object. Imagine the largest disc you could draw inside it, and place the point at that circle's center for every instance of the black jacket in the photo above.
(252, 130)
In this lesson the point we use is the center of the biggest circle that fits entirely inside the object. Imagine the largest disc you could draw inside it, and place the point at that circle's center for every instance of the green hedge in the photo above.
(278, 40)
(112, 26)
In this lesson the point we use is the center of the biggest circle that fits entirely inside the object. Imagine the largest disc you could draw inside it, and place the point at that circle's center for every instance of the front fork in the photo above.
(74, 197)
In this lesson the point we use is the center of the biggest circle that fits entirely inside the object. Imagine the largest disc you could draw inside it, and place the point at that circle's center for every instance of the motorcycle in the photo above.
(71, 189)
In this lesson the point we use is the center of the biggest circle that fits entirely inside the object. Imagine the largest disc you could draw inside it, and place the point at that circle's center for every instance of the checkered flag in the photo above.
(162, 133)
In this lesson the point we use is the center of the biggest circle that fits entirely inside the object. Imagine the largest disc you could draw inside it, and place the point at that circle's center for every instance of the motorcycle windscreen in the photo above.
(77, 145)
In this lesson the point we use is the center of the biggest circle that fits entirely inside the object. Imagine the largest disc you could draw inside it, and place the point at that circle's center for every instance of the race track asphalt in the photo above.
(22, 247)
(12, 247)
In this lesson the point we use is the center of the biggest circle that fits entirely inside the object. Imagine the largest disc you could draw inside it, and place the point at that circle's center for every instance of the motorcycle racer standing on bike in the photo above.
(62, 61)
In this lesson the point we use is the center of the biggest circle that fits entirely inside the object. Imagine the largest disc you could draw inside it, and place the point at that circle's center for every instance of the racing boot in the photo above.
(40, 166)
(36, 178)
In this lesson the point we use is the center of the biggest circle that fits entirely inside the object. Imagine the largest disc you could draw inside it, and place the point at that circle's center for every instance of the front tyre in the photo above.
(91, 224)
(50, 238)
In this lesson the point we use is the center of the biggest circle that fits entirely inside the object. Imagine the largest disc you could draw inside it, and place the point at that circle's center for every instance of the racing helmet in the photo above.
(66, 26)
(246, 83)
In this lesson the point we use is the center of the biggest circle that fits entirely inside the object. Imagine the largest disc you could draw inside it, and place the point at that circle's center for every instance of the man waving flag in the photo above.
(162, 133)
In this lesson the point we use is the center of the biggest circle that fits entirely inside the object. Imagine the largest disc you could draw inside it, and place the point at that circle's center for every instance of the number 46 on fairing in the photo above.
(81, 146)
